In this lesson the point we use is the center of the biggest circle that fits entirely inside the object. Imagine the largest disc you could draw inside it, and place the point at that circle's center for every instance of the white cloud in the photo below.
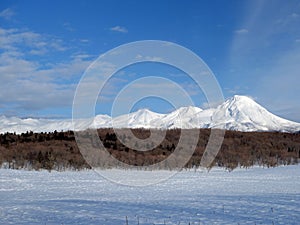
(138, 56)
(119, 29)
(84, 40)
(294, 15)
(38, 52)
(7, 14)
(27, 83)
(17, 39)
(153, 58)
(241, 31)
(28, 87)
(148, 58)
(68, 27)
(57, 44)
(82, 56)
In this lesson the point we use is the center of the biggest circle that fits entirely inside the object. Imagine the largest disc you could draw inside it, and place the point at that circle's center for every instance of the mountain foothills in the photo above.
(238, 113)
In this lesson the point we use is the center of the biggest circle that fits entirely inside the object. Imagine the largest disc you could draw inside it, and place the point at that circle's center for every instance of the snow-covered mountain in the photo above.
(237, 113)
(244, 114)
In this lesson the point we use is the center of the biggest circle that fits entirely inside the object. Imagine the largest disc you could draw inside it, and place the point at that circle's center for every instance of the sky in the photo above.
(252, 47)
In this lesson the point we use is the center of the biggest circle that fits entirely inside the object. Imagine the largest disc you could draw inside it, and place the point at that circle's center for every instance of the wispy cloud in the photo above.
(7, 14)
(84, 40)
(294, 15)
(279, 85)
(241, 31)
(148, 58)
(267, 58)
(68, 27)
(119, 29)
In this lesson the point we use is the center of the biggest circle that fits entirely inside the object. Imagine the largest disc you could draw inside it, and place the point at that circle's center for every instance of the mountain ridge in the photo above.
(237, 113)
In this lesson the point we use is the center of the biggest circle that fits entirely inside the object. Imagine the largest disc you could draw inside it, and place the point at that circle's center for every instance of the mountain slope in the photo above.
(237, 113)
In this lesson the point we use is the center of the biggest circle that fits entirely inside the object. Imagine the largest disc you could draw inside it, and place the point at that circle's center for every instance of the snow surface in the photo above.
(238, 113)
(244, 196)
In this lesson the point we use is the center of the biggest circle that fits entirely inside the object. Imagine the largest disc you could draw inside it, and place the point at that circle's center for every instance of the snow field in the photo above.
(244, 196)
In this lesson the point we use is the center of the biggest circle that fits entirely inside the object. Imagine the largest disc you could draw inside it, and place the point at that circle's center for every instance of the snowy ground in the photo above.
(253, 196)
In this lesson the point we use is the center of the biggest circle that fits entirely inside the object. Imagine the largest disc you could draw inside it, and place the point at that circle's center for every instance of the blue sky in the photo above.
(253, 48)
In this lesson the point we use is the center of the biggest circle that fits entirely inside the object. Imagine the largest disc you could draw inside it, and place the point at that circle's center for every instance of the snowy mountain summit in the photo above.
(237, 113)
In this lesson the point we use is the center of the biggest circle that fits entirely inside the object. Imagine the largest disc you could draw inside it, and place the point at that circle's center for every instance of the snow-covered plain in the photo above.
(244, 196)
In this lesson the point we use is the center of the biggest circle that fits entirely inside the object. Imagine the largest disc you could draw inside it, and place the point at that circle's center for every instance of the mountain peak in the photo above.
(189, 109)
(239, 102)
(144, 110)
(241, 98)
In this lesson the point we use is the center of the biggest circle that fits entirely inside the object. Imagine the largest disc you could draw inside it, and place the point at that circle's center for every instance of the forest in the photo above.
(59, 150)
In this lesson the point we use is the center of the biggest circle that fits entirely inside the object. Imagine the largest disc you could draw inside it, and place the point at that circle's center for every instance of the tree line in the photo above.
(59, 151)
